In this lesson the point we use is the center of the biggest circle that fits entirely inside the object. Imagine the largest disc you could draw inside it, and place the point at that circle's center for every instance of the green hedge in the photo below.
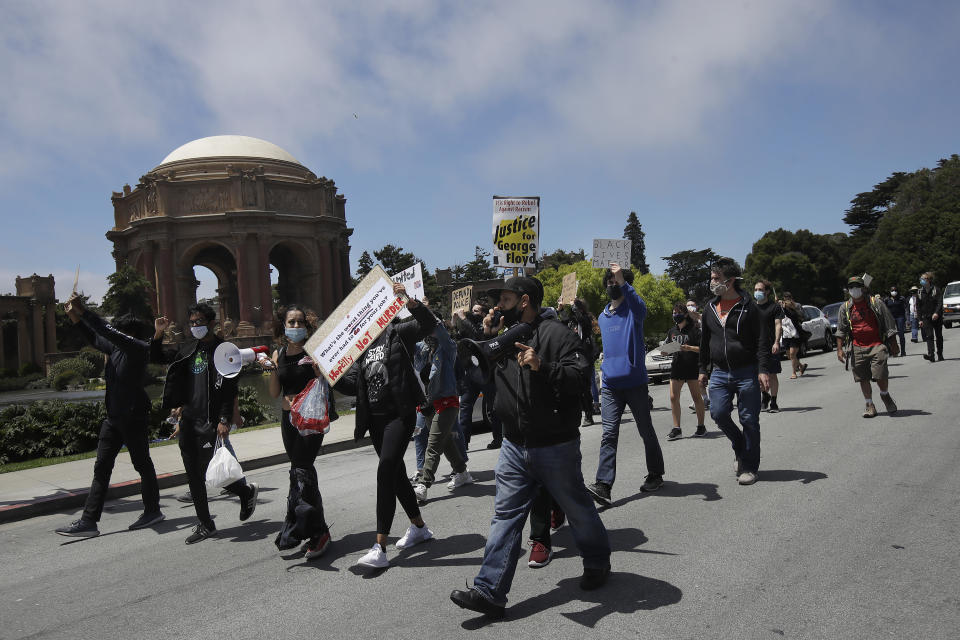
(15, 384)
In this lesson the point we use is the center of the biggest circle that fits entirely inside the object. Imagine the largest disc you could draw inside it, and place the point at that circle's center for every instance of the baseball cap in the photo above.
(855, 281)
(521, 285)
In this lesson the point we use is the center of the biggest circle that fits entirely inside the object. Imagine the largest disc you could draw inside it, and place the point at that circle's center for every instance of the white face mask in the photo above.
(691, 309)
(855, 292)
(199, 332)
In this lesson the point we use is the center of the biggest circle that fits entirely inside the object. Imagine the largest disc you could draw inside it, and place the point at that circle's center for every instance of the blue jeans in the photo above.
(520, 473)
(612, 403)
(593, 386)
(420, 437)
(744, 384)
(914, 329)
(901, 330)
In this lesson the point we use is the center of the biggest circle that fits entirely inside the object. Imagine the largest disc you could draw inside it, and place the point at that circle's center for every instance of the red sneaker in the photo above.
(317, 549)
(557, 518)
(540, 556)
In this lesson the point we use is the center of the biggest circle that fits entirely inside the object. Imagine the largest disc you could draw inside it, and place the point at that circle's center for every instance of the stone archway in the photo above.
(220, 261)
(297, 280)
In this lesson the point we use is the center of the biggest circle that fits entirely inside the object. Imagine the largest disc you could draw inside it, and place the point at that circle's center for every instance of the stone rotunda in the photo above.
(239, 206)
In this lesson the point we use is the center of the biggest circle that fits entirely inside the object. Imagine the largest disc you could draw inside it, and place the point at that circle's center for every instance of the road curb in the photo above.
(76, 498)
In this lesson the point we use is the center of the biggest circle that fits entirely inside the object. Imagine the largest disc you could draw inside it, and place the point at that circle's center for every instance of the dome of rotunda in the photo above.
(228, 147)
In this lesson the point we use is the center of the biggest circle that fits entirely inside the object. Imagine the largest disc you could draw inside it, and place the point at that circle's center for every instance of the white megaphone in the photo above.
(228, 358)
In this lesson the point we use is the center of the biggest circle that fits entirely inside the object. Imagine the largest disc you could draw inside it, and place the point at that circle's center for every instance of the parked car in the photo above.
(658, 365)
(951, 303)
(821, 333)
(831, 311)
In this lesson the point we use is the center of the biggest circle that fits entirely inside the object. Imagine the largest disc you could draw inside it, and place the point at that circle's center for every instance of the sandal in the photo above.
(803, 369)
(793, 377)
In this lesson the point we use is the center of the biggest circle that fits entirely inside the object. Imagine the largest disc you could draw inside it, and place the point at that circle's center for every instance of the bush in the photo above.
(27, 368)
(49, 428)
(15, 384)
(95, 358)
(252, 411)
(81, 366)
(65, 378)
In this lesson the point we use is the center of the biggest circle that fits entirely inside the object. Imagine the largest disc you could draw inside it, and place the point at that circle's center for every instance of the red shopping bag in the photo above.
(309, 410)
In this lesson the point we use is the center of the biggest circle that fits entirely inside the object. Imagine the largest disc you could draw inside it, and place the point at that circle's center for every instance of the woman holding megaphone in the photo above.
(291, 372)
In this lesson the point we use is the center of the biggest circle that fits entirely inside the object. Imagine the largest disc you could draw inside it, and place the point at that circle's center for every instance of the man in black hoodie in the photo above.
(538, 402)
(127, 410)
(732, 336)
(203, 399)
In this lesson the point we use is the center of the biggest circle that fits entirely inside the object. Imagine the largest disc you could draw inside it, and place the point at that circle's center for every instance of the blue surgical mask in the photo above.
(759, 295)
(298, 334)
(923, 281)
(199, 332)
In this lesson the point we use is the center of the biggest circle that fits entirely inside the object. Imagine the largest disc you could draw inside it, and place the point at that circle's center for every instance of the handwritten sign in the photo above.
(516, 231)
(354, 324)
(461, 298)
(412, 279)
(569, 291)
(607, 251)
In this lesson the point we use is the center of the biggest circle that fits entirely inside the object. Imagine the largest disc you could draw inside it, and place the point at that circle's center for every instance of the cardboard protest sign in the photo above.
(569, 291)
(614, 250)
(460, 299)
(516, 231)
(412, 279)
(354, 324)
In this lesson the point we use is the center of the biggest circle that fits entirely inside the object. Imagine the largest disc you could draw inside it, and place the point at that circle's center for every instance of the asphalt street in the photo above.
(851, 532)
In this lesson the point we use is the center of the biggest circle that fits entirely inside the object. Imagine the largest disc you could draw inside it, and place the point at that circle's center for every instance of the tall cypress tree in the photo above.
(638, 246)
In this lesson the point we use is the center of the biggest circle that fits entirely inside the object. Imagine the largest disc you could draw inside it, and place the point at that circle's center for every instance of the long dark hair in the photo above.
(280, 322)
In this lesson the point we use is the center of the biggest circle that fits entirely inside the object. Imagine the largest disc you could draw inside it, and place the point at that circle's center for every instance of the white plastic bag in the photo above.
(787, 330)
(223, 468)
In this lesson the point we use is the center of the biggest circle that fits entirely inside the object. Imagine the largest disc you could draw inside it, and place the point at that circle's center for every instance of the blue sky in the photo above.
(714, 121)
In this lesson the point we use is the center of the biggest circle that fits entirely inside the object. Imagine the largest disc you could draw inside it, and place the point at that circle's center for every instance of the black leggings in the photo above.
(390, 436)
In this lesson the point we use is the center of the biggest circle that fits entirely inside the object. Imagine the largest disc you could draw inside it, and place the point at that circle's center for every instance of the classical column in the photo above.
(51, 322)
(151, 273)
(167, 289)
(266, 296)
(246, 285)
(336, 271)
(326, 278)
(37, 319)
(23, 338)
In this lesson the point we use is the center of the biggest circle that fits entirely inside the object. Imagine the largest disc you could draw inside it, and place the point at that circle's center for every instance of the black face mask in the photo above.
(511, 316)
(679, 317)
(614, 292)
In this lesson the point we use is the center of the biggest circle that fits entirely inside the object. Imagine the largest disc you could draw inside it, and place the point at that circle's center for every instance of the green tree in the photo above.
(479, 268)
(129, 292)
(394, 259)
(638, 245)
(810, 266)
(868, 208)
(920, 231)
(560, 257)
(690, 270)
(364, 264)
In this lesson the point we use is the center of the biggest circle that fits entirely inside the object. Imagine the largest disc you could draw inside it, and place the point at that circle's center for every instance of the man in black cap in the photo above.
(538, 404)
(864, 326)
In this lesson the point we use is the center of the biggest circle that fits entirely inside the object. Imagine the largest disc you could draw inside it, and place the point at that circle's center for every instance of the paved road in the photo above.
(850, 533)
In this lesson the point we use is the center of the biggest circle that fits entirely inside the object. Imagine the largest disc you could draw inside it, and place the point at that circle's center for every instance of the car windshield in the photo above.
(831, 310)
(953, 289)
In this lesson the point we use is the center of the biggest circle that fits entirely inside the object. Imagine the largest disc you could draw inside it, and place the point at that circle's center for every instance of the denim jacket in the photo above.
(442, 381)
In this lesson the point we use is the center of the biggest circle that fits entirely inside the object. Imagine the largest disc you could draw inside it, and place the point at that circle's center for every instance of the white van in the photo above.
(951, 304)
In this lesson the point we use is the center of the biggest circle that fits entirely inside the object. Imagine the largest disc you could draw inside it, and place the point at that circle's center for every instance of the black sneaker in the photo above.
(700, 432)
(939, 357)
(250, 504)
(600, 492)
(474, 601)
(675, 434)
(765, 401)
(594, 578)
(773, 407)
(928, 357)
(147, 520)
(185, 497)
(201, 532)
(496, 444)
(79, 529)
(651, 483)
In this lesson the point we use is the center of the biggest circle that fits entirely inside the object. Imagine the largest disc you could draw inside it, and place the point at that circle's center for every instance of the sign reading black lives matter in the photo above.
(355, 324)
(516, 231)
(614, 250)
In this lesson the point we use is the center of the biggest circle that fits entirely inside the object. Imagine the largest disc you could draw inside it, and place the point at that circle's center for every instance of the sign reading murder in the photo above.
(355, 324)
(460, 299)
(569, 291)
(516, 231)
(412, 279)
(607, 251)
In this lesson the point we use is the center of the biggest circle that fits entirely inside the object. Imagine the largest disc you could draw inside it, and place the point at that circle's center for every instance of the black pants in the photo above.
(933, 330)
(197, 451)
(113, 435)
(541, 510)
(303, 452)
(390, 436)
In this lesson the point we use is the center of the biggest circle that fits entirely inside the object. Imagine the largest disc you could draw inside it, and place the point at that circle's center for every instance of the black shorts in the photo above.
(681, 371)
(770, 364)
(791, 342)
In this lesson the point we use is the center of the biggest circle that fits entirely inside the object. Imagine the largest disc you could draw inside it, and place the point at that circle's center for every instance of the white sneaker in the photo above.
(420, 490)
(414, 535)
(376, 558)
(460, 479)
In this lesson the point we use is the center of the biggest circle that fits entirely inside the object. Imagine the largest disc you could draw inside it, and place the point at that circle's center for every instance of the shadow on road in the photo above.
(250, 531)
(624, 593)
(439, 551)
(672, 489)
(790, 475)
(800, 409)
(906, 413)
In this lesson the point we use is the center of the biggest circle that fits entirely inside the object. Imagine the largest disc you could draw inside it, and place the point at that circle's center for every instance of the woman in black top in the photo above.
(293, 370)
(794, 312)
(685, 368)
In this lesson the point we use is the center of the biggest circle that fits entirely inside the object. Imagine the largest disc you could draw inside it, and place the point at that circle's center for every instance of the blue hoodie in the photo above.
(624, 353)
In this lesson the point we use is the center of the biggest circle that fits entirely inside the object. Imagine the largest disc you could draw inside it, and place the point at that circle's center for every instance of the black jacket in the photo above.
(221, 392)
(929, 303)
(735, 344)
(125, 371)
(405, 391)
(542, 408)
(580, 323)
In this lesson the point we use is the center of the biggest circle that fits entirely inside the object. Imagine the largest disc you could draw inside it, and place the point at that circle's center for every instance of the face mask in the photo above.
(855, 292)
(679, 317)
(759, 295)
(431, 343)
(614, 292)
(718, 288)
(923, 281)
(692, 309)
(295, 334)
(511, 316)
(893, 293)
(199, 332)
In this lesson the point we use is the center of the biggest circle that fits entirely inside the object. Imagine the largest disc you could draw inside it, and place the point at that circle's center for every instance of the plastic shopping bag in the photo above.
(308, 411)
(223, 468)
